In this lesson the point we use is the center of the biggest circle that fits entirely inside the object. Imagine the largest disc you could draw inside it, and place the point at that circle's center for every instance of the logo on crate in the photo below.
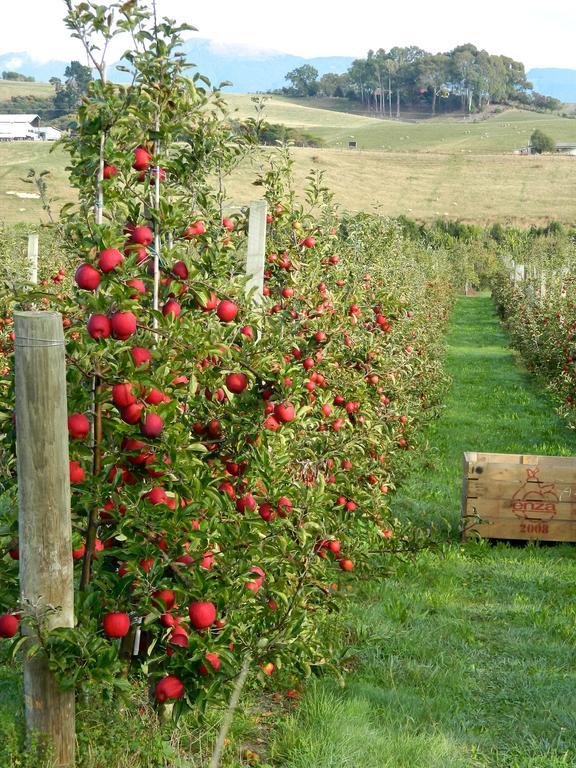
(535, 500)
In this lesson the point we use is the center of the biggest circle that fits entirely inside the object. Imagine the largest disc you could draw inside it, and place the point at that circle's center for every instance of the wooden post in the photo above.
(33, 258)
(45, 530)
(256, 249)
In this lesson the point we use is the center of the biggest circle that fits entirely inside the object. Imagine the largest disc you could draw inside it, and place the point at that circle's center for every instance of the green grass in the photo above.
(449, 135)
(481, 189)
(9, 88)
(465, 659)
(442, 168)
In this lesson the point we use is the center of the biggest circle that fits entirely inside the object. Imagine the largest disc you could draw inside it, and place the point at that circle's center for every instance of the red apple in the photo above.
(109, 259)
(164, 598)
(202, 614)
(140, 355)
(227, 311)
(87, 277)
(157, 495)
(116, 624)
(110, 171)
(180, 270)
(236, 382)
(139, 287)
(170, 687)
(131, 414)
(284, 412)
(155, 397)
(77, 474)
(152, 425)
(213, 661)
(8, 625)
(99, 327)
(123, 394)
(171, 308)
(142, 235)
(142, 159)
(78, 426)
(211, 303)
(123, 325)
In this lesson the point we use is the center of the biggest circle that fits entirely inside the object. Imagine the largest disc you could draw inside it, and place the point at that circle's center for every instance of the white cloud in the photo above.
(13, 63)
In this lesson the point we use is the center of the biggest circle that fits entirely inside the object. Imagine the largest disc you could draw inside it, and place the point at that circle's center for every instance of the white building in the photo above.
(19, 127)
(47, 133)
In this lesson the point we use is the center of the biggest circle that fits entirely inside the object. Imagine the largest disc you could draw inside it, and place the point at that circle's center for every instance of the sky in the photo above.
(539, 34)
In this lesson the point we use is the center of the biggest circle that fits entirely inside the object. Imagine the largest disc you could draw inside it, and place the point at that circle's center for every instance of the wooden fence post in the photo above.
(33, 257)
(256, 249)
(45, 530)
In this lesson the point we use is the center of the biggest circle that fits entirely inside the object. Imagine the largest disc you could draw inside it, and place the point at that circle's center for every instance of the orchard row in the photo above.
(230, 462)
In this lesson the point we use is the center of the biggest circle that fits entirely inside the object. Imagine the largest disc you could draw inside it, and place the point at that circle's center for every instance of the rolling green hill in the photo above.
(444, 167)
(497, 133)
(9, 88)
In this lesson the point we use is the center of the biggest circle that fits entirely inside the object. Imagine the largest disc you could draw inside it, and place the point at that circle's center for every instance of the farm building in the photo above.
(562, 148)
(19, 127)
(566, 147)
(47, 133)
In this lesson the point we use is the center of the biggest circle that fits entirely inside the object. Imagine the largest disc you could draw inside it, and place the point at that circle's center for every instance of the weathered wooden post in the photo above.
(33, 257)
(256, 254)
(45, 531)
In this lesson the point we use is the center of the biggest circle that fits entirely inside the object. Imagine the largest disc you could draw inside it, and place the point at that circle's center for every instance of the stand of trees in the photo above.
(16, 76)
(464, 79)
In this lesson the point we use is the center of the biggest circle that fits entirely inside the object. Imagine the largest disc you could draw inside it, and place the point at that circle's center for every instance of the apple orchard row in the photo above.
(230, 462)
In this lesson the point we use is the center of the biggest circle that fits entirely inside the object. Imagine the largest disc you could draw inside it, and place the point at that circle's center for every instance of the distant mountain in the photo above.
(24, 63)
(246, 69)
(559, 83)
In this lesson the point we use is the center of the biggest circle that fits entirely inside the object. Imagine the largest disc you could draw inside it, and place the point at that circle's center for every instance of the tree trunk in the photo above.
(389, 96)
(433, 100)
(397, 103)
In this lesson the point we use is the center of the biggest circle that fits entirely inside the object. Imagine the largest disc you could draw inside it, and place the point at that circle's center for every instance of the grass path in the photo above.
(467, 658)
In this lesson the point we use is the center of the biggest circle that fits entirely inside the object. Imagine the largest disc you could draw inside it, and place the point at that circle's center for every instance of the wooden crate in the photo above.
(515, 496)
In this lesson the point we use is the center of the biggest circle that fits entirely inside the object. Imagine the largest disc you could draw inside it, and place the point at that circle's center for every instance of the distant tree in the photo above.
(304, 80)
(360, 76)
(17, 76)
(405, 60)
(541, 142)
(56, 83)
(330, 84)
(78, 78)
(546, 102)
(433, 74)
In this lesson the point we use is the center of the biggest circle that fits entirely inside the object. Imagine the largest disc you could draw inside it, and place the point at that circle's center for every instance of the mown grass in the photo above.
(511, 189)
(464, 659)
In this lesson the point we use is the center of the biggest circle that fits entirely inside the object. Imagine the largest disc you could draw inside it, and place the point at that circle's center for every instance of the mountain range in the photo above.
(253, 71)
(246, 69)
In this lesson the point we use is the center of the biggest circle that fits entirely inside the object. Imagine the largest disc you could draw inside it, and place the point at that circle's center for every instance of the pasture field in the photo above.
(496, 133)
(482, 189)
(9, 88)
(448, 167)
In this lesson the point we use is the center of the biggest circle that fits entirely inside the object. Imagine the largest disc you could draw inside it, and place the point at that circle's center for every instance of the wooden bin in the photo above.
(514, 496)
